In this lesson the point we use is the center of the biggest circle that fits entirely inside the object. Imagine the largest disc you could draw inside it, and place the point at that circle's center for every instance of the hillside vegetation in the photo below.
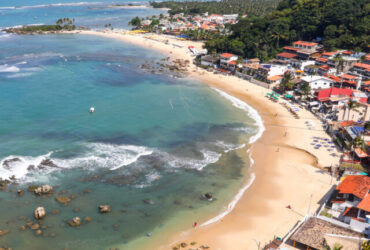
(339, 23)
(241, 7)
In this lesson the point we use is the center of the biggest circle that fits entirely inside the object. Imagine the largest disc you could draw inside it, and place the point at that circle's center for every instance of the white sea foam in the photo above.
(49, 5)
(227, 147)
(5, 68)
(209, 157)
(251, 112)
(19, 75)
(106, 155)
(19, 168)
(232, 204)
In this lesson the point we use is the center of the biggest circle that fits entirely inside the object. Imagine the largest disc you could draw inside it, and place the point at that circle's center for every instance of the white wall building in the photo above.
(318, 82)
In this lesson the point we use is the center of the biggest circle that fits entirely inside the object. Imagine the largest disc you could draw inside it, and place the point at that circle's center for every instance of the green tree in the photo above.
(351, 106)
(136, 21)
(286, 83)
(306, 89)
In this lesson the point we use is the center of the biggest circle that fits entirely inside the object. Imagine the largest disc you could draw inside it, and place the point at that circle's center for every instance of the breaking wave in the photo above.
(5, 68)
(251, 112)
(50, 5)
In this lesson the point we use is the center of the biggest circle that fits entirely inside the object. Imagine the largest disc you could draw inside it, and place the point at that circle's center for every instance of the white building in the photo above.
(226, 59)
(318, 82)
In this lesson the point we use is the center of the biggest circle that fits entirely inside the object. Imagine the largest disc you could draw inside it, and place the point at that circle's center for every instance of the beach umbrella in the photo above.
(315, 140)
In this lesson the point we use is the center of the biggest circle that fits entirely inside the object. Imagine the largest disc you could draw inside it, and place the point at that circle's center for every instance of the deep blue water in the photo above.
(151, 136)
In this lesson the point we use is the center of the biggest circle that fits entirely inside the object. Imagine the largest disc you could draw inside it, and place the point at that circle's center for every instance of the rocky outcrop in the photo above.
(104, 209)
(44, 189)
(9, 162)
(64, 200)
(4, 232)
(40, 213)
(75, 222)
(47, 163)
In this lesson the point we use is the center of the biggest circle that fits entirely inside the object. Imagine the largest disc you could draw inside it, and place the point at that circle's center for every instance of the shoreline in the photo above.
(281, 162)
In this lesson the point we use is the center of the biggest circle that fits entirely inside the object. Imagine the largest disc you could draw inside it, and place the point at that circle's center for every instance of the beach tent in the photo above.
(288, 96)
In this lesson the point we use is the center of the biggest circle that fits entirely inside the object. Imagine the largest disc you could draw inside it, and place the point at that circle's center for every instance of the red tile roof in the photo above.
(365, 203)
(286, 55)
(366, 82)
(304, 43)
(347, 52)
(357, 185)
(334, 78)
(227, 55)
(330, 53)
(347, 123)
(349, 77)
(362, 65)
(325, 67)
(322, 59)
(326, 93)
(351, 212)
(291, 48)
(232, 62)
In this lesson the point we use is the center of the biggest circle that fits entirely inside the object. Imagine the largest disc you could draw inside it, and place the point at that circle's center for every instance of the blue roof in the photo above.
(357, 130)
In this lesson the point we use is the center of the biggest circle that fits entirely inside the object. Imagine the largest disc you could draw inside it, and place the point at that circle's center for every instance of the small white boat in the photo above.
(92, 109)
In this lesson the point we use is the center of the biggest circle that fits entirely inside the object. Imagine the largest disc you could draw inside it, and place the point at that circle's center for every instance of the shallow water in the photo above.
(151, 137)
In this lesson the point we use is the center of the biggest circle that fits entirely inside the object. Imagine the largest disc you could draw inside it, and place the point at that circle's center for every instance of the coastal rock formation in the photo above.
(148, 201)
(44, 189)
(4, 232)
(87, 219)
(39, 213)
(104, 209)
(208, 196)
(75, 222)
(38, 232)
(47, 163)
(20, 192)
(64, 200)
(7, 163)
(35, 226)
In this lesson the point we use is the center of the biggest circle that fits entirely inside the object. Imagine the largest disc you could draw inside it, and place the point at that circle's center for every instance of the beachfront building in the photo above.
(317, 82)
(228, 61)
(318, 233)
(267, 71)
(362, 68)
(209, 60)
(351, 200)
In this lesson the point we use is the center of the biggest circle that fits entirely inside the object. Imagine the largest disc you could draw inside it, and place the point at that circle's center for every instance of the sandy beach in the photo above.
(286, 166)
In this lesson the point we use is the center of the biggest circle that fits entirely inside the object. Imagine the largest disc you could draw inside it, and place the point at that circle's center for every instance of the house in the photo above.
(347, 62)
(307, 50)
(285, 56)
(209, 60)
(315, 233)
(318, 82)
(362, 69)
(225, 60)
(276, 79)
(352, 200)
(325, 69)
(305, 45)
(360, 113)
(266, 71)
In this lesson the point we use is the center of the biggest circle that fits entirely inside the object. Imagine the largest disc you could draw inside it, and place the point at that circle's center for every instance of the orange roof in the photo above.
(227, 55)
(333, 77)
(325, 67)
(362, 65)
(366, 82)
(347, 123)
(330, 53)
(286, 55)
(322, 59)
(350, 77)
(291, 48)
(360, 153)
(347, 52)
(365, 203)
(274, 78)
(232, 62)
(357, 185)
(304, 43)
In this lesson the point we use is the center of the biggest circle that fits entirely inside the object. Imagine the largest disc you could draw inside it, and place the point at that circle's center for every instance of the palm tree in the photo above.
(351, 105)
(338, 58)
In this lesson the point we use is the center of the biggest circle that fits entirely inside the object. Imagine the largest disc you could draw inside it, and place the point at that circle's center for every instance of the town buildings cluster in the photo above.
(335, 87)
(178, 23)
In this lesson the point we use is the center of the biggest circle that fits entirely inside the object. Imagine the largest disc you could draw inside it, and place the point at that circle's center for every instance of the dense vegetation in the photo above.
(241, 7)
(61, 24)
(340, 23)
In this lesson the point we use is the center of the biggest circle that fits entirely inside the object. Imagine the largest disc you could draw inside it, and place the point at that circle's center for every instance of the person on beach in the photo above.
(195, 224)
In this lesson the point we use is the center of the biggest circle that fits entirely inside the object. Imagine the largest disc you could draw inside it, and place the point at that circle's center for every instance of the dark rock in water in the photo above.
(43, 227)
(31, 168)
(39, 213)
(87, 191)
(35, 226)
(75, 222)
(64, 200)
(47, 163)
(87, 219)
(32, 188)
(208, 196)
(44, 189)
(104, 209)
(55, 212)
(123, 210)
(148, 201)
(22, 228)
(7, 163)
(4, 232)
(20, 192)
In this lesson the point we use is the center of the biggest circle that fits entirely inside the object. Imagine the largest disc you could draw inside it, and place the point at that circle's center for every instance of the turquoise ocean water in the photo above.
(152, 137)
